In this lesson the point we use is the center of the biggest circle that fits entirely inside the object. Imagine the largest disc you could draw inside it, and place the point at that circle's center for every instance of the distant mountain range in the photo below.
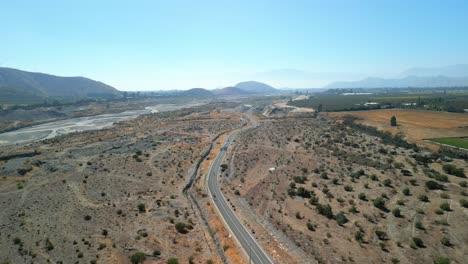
(459, 70)
(16, 85)
(449, 76)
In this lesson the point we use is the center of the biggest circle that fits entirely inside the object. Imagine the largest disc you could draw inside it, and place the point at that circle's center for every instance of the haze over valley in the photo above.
(234, 132)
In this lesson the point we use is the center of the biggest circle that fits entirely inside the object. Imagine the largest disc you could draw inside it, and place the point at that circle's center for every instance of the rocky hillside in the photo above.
(19, 85)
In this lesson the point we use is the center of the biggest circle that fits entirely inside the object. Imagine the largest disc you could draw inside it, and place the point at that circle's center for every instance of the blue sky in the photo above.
(148, 45)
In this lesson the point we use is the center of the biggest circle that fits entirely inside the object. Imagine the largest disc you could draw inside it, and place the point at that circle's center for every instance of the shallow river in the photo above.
(56, 128)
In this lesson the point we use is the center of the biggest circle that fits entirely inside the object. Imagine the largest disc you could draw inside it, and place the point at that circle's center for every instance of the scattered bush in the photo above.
(137, 258)
(340, 218)
(445, 206)
(445, 241)
(381, 234)
(432, 185)
(181, 227)
(362, 196)
(172, 261)
(452, 170)
(406, 191)
(359, 236)
(141, 207)
(310, 226)
(442, 260)
(419, 225)
(314, 200)
(397, 212)
(300, 179)
(418, 242)
(423, 198)
(464, 203)
(49, 245)
(379, 202)
(325, 210)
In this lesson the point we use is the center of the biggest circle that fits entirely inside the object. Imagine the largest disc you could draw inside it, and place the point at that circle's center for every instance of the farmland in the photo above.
(451, 101)
(415, 125)
(456, 142)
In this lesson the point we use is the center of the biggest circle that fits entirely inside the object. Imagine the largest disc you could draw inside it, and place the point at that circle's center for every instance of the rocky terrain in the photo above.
(109, 196)
(329, 192)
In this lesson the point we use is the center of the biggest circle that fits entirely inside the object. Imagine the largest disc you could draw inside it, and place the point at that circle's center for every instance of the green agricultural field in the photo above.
(456, 142)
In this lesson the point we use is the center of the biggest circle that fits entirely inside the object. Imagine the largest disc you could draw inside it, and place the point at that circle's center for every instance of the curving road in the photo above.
(255, 253)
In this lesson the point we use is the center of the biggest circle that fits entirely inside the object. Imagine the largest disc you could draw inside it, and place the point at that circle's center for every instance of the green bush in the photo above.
(445, 241)
(141, 207)
(442, 260)
(396, 212)
(379, 202)
(181, 227)
(423, 198)
(359, 236)
(381, 234)
(298, 215)
(441, 177)
(452, 170)
(172, 261)
(362, 196)
(464, 203)
(314, 200)
(433, 185)
(325, 210)
(407, 192)
(419, 225)
(418, 242)
(445, 206)
(340, 218)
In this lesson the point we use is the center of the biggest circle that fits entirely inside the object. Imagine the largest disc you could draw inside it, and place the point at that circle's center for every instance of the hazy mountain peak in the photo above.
(255, 87)
(457, 70)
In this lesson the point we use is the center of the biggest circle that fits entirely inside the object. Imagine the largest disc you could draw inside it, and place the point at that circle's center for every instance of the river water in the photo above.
(77, 124)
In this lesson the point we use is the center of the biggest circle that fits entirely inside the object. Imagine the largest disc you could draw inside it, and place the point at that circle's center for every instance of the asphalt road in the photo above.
(256, 254)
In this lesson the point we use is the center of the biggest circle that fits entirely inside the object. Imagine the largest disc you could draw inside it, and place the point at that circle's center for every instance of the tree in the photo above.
(319, 108)
(393, 121)
(138, 258)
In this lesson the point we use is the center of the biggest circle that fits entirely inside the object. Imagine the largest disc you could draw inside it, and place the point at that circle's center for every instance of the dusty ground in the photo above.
(347, 170)
(416, 125)
(77, 198)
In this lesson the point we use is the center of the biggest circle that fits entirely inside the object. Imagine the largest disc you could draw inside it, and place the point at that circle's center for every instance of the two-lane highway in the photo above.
(255, 253)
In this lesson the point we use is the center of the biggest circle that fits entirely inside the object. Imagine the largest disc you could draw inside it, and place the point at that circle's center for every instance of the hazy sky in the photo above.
(147, 45)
